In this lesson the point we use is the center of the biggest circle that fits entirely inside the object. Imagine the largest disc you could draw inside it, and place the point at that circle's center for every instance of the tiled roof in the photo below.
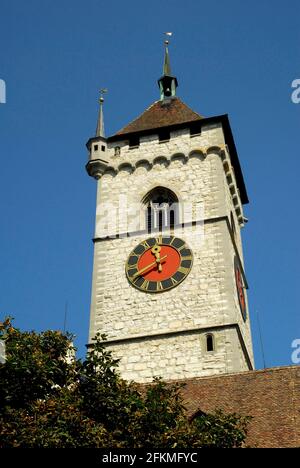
(270, 396)
(161, 114)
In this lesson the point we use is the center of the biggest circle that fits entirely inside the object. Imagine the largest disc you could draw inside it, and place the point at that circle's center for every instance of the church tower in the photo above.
(169, 284)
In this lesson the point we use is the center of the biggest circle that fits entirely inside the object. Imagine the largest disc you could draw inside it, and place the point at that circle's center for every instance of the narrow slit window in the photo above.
(172, 218)
(160, 220)
(210, 343)
(149, 218)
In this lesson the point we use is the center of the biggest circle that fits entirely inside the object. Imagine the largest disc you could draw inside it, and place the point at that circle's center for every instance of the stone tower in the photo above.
(169, 286)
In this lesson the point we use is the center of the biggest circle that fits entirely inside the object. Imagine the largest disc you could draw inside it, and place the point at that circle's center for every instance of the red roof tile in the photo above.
(161, 114)
(270, 396)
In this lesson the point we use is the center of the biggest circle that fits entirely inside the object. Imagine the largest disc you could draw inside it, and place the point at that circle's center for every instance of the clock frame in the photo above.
(171, 247)
(240, 289)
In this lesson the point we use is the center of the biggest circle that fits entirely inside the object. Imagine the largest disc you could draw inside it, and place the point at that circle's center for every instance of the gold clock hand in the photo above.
(156, 251)
(158, 260)
(138, 273)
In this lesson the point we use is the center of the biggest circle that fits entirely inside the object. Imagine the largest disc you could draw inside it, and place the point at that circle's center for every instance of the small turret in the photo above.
(97, 145)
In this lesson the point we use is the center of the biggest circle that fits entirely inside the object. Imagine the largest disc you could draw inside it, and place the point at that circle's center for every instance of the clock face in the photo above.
(156, 265)
(240, 288)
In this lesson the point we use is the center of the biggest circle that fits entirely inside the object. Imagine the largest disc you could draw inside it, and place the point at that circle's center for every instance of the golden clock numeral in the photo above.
(188, 257)
(159, 286)
(174, 281)
(135, 278)
(172, 240)
(181, 248)
(183, 270)
(145, 285)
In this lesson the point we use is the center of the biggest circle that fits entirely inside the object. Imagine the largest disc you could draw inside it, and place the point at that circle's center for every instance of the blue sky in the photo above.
(229, 57)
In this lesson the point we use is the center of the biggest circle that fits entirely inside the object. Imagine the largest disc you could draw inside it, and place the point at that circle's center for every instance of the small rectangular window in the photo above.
(164, 135)
(134, 141)
(195, 128)
(117, 150)
(102, 148)
(95, 147)
(210, 343)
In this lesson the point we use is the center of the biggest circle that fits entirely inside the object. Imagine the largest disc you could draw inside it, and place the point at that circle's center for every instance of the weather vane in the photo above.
(102, 91)
(168, 34)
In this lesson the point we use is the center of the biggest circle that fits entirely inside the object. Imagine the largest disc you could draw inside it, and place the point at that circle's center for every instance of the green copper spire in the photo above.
(100, 123)
(167, 66)
(167, 83)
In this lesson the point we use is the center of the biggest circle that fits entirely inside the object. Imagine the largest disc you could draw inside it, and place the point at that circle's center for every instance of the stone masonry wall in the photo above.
(178, 357)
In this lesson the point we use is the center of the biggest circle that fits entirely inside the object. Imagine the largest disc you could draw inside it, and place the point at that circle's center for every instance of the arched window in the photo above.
(210, 343)
(162, 209)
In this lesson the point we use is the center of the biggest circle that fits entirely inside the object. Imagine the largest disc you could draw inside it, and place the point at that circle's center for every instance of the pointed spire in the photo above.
(167, 66)
(167, 83)
(100, 123)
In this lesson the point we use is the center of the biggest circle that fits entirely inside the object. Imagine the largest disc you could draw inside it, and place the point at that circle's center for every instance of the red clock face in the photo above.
(169, 264)
(156, 265)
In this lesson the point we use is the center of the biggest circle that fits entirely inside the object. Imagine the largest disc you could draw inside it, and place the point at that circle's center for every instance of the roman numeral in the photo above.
(183, 270)
(145, 285)
(145, 244)
(132, 270)
(134, 280)
(174, 281)
(159, 286)
(187, 257)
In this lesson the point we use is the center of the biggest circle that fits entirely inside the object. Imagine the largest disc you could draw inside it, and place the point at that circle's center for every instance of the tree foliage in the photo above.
(49, 399)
